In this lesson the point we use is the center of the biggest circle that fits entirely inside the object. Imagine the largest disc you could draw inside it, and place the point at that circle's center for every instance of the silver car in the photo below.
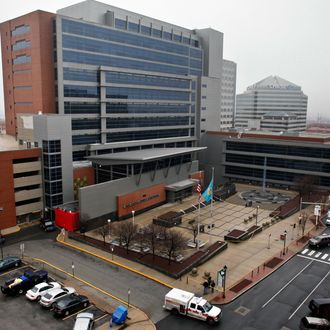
(49, 299)
(84, 321)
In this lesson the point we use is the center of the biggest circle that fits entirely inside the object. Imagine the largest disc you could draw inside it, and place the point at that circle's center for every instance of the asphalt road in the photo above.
(278, 302)
(144, 293)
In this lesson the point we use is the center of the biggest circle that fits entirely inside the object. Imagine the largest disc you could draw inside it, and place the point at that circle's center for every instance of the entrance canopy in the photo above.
(140, 156)
(177, 186)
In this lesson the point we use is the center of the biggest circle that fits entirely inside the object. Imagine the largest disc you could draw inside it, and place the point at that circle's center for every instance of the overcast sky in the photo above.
(288, 38)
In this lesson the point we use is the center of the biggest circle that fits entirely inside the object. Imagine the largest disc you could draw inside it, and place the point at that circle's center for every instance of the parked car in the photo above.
(47, 225)
(319, 241)
(327, 221)
(9, 262)
(24, 282)
(40, 290)
(49, 299)
(320, 307)
(70, 304)
(84, 321)
(308, 322)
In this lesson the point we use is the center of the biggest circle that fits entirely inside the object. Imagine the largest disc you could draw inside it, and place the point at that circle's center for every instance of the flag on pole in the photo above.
(208, 193)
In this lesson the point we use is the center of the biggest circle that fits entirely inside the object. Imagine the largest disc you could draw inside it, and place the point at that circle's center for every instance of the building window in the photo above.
(20, 30)
(120, 24)
(21, 44)
(22, 59)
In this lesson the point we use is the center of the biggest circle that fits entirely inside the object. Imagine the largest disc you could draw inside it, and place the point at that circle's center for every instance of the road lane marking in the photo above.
(311, 253)
(317, 260)
(101, 317)
(74, 314)
(309, 295)
(317, 254)
(305, 251)
(325, 256)
(268, 301)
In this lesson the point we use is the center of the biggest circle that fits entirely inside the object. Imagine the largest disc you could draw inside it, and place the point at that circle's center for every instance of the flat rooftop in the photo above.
(268, 135)
(8, 142)
(141, 156)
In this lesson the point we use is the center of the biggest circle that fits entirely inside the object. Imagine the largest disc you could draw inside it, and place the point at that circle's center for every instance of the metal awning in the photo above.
(141, 156)
(177, 186)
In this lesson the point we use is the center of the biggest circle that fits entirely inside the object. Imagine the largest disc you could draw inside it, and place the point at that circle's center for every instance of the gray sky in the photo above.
(289, 38)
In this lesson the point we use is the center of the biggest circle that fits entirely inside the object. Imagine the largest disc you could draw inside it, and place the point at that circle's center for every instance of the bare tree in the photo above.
(304, 184)
(126, 231)
(173, 244)
(152, 233)
(103, 231)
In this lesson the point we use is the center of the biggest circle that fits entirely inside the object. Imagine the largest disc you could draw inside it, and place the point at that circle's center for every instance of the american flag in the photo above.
(199, 188)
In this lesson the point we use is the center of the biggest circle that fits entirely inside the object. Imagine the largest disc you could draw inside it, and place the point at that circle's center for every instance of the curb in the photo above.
(113, 262)
(228, 301)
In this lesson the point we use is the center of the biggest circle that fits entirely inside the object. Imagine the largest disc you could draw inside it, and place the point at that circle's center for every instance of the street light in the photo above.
(109, 222)
(257, 215)
(284, 241)
(112, 248)
(224, 280)
(128, 296)
(72, 266)
(133, 212)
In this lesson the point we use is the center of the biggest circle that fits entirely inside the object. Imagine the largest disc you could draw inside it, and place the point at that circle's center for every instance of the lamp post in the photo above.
(269, 241)
(284, 242)
(224, 280)
(109, 222)
(72, 267)
(257, 215)
(133, 212)
(128, 296)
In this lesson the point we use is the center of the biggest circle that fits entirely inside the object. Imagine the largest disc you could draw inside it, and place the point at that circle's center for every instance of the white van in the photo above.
(84, 321)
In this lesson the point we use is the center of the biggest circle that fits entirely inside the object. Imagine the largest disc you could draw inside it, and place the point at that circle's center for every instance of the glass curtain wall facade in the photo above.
(125, 83)
(53, 189)
(285, 163)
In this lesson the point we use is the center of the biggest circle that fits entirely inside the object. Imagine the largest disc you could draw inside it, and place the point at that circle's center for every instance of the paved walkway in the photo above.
(245, 261)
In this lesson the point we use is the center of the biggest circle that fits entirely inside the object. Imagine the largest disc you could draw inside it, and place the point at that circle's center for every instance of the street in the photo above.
(280, 300)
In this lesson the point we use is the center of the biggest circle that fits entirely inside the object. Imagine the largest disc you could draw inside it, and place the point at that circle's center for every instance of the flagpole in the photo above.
(198, 219)
(212, 192)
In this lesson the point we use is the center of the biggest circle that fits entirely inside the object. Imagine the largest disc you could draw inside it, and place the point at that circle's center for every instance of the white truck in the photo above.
(186, 303)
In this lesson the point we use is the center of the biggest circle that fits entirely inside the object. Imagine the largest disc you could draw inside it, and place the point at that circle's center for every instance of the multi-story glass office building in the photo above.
(125, 78)
(272, 94)
(286, 158)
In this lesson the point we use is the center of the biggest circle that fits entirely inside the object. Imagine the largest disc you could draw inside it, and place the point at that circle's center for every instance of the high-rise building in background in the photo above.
(269, 102)
(228, 94)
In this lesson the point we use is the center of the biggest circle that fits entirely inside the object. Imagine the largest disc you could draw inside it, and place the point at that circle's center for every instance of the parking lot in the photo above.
(17, 312)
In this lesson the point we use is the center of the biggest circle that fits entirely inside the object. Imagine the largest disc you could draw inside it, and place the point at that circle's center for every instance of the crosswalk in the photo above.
(315, 254)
